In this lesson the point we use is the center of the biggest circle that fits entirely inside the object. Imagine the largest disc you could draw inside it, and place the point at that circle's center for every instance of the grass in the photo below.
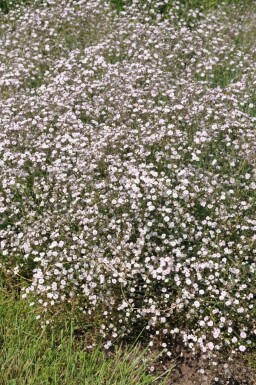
(7, 5)
(30, 355)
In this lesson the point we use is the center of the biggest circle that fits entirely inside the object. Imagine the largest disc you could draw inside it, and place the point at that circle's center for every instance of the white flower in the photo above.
(242, 348)
(216, 332)
(210, 345)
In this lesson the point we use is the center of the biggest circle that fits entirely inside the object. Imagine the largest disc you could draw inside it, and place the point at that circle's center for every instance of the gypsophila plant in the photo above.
(127, 167)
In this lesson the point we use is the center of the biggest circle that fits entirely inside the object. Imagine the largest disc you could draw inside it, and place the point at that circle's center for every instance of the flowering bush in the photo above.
(127, 157)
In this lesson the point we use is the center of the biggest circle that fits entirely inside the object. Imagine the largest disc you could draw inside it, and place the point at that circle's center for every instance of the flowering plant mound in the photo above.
(127, 159)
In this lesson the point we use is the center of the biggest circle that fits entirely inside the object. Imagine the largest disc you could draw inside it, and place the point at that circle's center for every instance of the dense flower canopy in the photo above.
(127, 167)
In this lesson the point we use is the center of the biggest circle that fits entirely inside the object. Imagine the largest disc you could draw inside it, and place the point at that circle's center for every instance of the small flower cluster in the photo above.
(127, 167)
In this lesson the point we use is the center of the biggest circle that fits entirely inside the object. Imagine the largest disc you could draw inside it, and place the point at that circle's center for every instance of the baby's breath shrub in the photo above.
(127, 157)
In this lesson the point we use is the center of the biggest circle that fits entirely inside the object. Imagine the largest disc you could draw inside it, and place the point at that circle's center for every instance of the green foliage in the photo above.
(7, 5)
(118, 4)
(4, 6)
(30, 355)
